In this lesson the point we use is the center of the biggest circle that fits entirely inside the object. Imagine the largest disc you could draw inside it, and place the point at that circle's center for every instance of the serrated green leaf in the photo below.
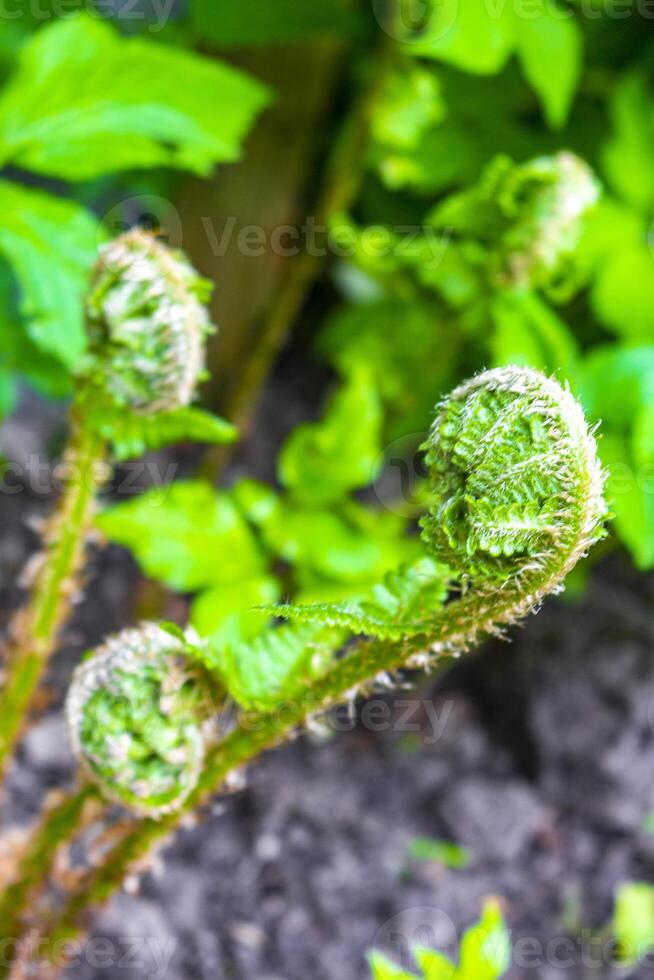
(132, 435)
(86, 102)
(51, 245)
(276, 665)
(323, 461)
(405, 604)
(186, 535)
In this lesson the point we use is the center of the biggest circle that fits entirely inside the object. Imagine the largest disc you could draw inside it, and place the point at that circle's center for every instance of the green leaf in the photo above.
(368, 334)
(277, 665)
(85, 102)
(633, 920)
(629, 154)
(226, 615)
(244, 22)
(132, 435)
(51, 245)
(405, 604)
(478, 36)
(642, 441)
(434, 965)
(475, 36)
(383, 969)
(630, 498)
(617, 382)
(8, 393)
(486, 947)
(442, 851)
(529, 332)
(186, 535)
(554, 37)
(323, 461)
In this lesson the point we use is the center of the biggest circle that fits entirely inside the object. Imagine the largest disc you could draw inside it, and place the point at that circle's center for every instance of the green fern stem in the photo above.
(258, 732)
(58, 824)
(55, 586)
(517, 500)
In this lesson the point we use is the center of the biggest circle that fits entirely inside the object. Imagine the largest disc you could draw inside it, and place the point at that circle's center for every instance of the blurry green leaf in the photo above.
(276, 666)
(353, 545)
(8, 393)
(474, 35)
(434, 965)
(85, 102)
(368, 333)
(132, 435)
(405, 604)
(383, 969)
(486, 947)
(321, 462)
(617, 382)
(51, 245)
(630, 493)
(554, 37)
(244, 22)
(409, 102)
(529, 332)
(186, 535)
(226, 615)
(622, 295)
(642, 441)
(629, 154)
(442, 851)
(633, 920)
(480, 37)
(485, 954)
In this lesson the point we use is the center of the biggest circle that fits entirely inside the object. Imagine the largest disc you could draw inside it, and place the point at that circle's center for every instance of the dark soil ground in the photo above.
(536, 755)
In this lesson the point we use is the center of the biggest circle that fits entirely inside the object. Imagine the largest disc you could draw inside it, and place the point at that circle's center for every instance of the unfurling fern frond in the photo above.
(148, 324)
(516, 499)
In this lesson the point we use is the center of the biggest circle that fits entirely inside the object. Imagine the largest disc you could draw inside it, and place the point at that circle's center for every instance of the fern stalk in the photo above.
(517, 500)
(56, 583)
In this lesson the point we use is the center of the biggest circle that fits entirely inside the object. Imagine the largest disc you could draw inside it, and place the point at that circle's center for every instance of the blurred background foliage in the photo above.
(364, 174)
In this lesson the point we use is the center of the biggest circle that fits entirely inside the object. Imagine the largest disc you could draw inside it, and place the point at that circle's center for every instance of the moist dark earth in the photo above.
(537, 755)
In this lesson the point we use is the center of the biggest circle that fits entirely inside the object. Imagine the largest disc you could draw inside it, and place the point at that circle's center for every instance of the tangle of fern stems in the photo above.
(517, 499)
(147, 325)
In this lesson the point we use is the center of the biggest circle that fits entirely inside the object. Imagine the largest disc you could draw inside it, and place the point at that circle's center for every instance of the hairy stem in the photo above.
(58, 824)
(55, 586)
(459, 624)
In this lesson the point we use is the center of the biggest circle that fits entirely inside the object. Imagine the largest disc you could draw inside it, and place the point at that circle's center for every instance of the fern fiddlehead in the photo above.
(138, 709)
(147, 327)
(517, 500)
